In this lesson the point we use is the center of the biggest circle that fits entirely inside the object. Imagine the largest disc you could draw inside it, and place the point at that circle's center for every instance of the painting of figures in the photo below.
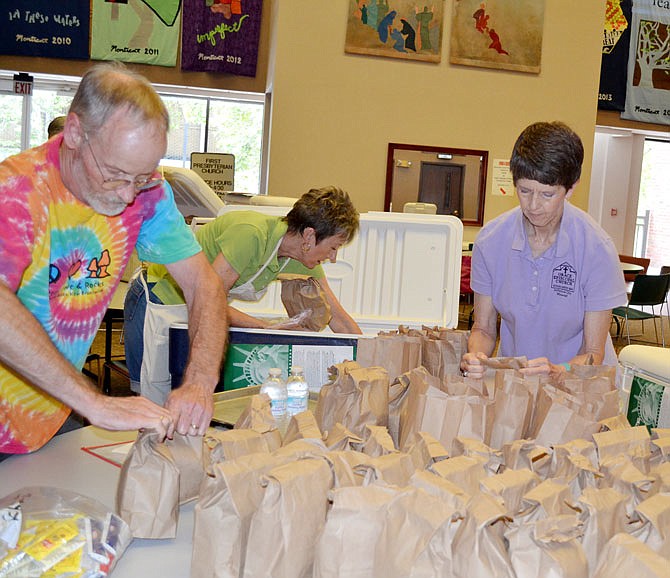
(395, 28)
(496, 34)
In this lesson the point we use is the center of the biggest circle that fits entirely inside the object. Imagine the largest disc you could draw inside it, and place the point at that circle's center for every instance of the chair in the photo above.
(642, 261)
(648, 290)
(665, 269)
(424, 208)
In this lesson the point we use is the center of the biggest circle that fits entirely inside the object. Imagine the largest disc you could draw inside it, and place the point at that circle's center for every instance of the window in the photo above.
(652, 234)
(201, 120)
(11, 125)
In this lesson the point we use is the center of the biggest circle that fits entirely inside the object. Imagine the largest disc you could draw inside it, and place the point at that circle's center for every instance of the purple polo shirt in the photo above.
(542, 300)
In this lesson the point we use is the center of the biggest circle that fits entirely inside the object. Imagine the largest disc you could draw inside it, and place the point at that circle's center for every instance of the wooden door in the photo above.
(442, 184)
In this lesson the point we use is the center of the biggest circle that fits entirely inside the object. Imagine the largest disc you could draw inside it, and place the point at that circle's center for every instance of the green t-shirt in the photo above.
(246, 239)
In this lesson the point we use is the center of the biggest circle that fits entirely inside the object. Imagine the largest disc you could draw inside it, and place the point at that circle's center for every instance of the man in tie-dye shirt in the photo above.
(71, 212)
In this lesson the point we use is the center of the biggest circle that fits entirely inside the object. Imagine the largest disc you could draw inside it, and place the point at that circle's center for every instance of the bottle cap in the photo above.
(274, 372)
(296, 369)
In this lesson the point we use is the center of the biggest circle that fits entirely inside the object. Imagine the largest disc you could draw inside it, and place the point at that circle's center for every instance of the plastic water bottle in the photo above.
(275, 388)
(298, 392)
(623, 381)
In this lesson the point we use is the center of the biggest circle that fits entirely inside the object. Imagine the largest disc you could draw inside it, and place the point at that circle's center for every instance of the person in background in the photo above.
(248, 250)
(56, 126)
(71, 212)
(546, 267)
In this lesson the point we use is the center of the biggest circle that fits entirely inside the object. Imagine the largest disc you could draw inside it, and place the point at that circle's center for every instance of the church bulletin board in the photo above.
(502, 35)
(221, 36)
(138, 31)
(45, 28)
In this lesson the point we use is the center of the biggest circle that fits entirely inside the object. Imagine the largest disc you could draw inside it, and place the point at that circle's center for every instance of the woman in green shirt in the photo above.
(248, 250)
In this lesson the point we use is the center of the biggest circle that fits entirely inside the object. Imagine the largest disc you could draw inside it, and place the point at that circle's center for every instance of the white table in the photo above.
(631, 267)
(63, 464)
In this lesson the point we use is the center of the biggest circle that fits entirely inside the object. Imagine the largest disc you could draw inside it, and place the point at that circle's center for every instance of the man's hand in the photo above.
(192, 404)
(130, 413)
(191, 407)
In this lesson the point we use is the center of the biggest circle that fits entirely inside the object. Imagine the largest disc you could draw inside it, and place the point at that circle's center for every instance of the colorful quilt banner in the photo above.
(614, 64)
(648, 91)
(139, 31)
(45, 28)
(221, 36)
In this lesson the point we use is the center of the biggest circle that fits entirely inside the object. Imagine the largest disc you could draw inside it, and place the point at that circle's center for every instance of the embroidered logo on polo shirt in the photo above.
(564, 279)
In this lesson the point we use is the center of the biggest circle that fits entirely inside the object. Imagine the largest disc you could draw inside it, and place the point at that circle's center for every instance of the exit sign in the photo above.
(23, 84)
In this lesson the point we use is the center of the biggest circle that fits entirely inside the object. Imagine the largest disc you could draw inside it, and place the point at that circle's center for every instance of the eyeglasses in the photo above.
(114, 184)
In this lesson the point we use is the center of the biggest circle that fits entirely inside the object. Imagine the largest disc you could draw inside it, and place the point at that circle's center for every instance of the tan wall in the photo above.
(335, 113)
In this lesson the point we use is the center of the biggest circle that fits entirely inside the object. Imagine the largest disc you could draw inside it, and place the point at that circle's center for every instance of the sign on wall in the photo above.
(502, 181)
(140, 31)
(45, 28)
(221, 36)
(216, 169)
(23, 84)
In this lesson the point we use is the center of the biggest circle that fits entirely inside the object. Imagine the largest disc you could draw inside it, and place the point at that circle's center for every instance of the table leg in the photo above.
(107, 379)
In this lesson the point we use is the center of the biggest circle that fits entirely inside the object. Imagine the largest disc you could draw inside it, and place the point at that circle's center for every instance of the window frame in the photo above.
(69, 84)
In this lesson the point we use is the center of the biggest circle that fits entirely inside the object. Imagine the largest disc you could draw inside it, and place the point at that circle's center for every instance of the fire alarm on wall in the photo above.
(613, 212)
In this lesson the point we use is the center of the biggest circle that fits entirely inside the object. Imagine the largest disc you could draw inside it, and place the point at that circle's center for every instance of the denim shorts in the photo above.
(134, 310)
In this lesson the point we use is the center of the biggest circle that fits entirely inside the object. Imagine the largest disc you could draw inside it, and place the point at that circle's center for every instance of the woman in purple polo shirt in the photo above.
(546, 267)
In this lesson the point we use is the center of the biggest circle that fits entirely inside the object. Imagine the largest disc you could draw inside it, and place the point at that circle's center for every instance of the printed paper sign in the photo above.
(649, 403)
(247, 365)
(216, 169)
(503, 184)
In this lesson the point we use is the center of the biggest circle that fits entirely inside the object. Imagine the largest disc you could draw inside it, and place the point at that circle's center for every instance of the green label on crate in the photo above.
(248, 364)
(648, 404)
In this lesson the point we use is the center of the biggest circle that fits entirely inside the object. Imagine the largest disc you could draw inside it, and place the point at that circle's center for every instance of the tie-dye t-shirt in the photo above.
(64, 261)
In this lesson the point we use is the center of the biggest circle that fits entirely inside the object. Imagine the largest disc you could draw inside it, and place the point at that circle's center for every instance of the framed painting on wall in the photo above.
(395, 28)
(504, 35)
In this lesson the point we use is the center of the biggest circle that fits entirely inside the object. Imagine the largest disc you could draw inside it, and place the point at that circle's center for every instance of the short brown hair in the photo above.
(328, 210)
(550, 153)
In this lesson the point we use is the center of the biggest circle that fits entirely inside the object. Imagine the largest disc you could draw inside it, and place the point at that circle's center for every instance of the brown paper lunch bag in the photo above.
(148, 491)
(300, 293)
(285, 527)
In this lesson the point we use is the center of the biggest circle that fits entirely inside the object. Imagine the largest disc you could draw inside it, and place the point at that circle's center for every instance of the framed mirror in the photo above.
(454, 180)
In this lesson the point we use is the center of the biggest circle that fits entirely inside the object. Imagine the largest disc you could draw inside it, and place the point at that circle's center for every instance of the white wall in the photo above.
(615, 182)
(335, 113)
(614, 188)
